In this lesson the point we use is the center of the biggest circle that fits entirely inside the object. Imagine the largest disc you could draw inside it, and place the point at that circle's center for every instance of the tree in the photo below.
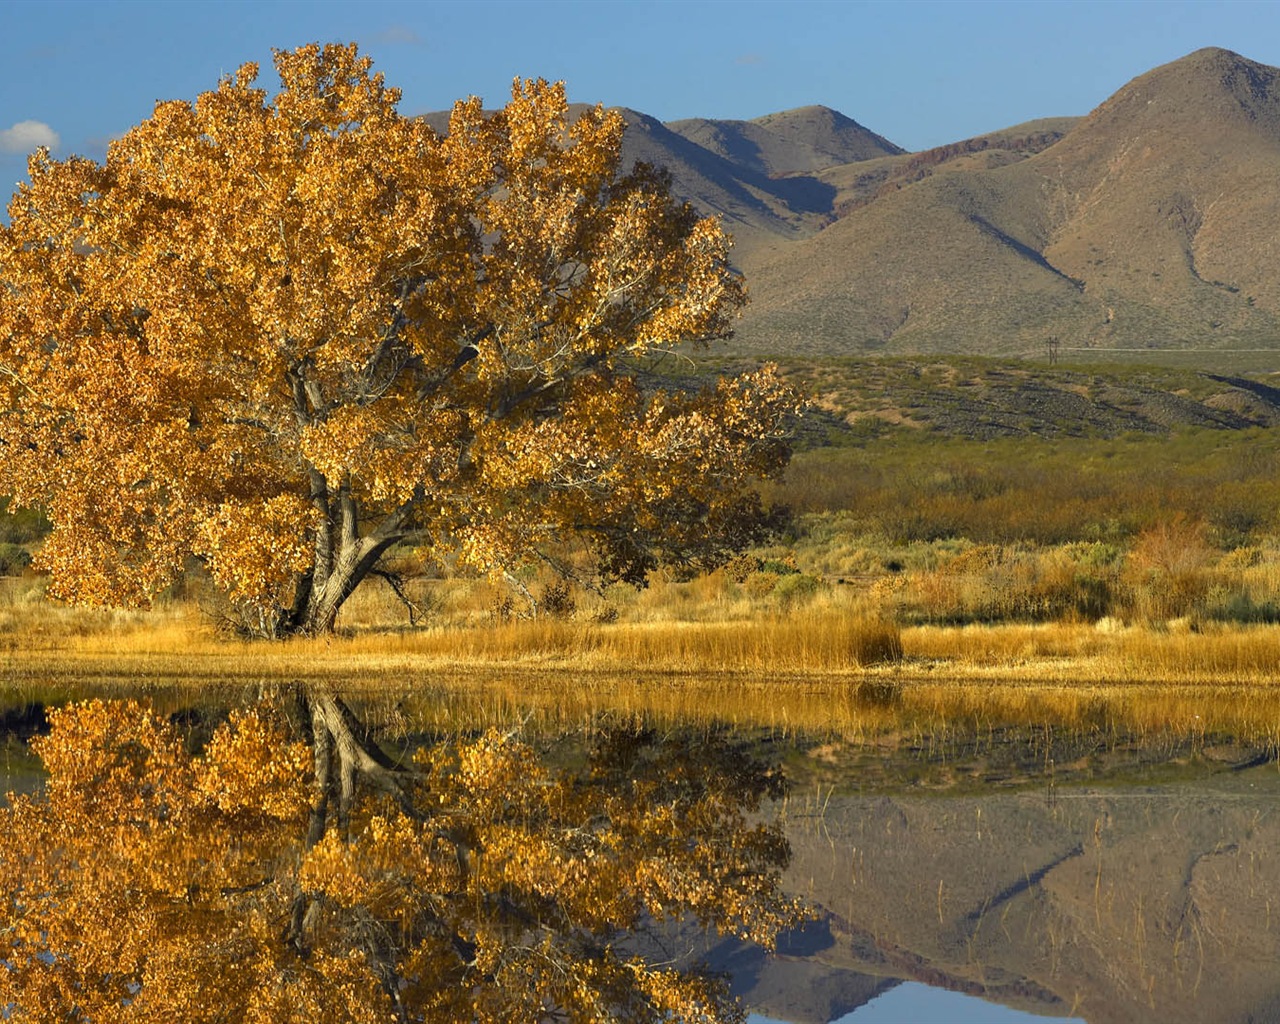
(280, 336)
(473, 882)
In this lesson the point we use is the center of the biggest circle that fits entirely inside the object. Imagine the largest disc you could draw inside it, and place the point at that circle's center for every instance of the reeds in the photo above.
(823, 643)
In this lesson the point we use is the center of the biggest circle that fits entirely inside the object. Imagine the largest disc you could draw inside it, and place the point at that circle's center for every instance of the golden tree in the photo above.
(281, 335)
(249, 883)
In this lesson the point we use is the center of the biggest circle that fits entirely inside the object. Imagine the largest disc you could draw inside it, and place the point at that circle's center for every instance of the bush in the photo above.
(1241, 607)
(1166, 570)
(13, 559)
(761, 584)
(21, 527)
(795, 588)
(557, 601)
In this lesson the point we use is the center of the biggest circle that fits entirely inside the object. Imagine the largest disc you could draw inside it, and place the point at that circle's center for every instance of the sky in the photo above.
(912, 1001)
(77, 74)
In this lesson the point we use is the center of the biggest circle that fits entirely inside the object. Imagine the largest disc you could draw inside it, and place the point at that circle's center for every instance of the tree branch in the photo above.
(396, 582)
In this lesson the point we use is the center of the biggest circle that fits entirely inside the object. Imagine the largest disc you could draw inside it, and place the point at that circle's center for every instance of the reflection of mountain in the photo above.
(1153, 903)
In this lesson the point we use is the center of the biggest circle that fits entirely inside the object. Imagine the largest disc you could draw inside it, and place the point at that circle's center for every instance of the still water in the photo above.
(1130, 881)
(910, 1002)
(998, 874)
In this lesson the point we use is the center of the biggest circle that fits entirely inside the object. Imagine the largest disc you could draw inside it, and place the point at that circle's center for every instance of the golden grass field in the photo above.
(824, 663)
(937, 580)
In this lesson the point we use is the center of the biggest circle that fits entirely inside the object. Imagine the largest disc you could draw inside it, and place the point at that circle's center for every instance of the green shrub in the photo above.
(21, 527)
(13, 559)
(795, 588)
(1240, 606)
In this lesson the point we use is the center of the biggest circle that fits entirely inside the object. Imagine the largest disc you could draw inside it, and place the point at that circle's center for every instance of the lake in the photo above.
(983, 871)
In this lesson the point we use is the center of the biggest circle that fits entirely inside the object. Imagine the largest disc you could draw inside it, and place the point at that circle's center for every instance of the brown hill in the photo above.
(760, 176)
(799, 141)
(861, 183)
(758, 209)
(1152, 223)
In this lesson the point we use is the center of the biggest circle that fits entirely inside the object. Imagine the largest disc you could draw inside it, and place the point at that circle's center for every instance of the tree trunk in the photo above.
(343, 559)
(352, 565)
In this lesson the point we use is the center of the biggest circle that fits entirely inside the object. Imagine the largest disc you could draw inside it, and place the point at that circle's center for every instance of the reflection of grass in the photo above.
(710, 648)
(557, 671)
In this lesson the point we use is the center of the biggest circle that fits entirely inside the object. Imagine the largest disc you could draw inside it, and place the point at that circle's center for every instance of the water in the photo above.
(1142, 888)
(997, 875)
(913, 1003)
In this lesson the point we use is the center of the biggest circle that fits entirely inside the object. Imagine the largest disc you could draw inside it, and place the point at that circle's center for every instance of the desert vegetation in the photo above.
(455, 453)
(1140, 556)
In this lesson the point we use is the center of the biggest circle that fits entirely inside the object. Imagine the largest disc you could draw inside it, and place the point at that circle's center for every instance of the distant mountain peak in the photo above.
(810, 110)
(1210, 66)
(1150, 223)
(1208, 55)
(790, 142)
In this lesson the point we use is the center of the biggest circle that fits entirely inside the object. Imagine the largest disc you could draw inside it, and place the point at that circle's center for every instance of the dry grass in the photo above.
(1179, 653)
(188, 650)
(818, 668)
(832, 631)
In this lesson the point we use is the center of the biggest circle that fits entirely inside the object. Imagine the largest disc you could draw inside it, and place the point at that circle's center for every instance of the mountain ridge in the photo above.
(1152, 222)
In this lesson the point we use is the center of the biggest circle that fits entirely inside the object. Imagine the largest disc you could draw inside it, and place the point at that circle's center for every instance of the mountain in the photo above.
(756, 207)
(759, 176)
(1151, 223)
(798, 141)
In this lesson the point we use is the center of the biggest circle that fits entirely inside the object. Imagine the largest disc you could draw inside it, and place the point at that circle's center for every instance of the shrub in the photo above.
(13, 559)
(21, 527)
(1241, 607)
(557, 601)
(795, 588)
(1166, 569)
(761, 584)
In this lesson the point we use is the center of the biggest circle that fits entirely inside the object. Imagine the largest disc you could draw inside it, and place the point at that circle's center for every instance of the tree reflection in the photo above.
(292, 871)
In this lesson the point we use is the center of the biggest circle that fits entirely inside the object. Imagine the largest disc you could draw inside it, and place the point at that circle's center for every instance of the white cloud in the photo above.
(398, 35)
(25, 136)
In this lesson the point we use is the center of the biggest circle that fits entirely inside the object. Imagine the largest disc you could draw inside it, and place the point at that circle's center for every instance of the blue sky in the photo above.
(921, 73)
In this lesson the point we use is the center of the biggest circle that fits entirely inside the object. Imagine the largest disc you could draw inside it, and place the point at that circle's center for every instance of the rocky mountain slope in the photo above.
(1152, 223)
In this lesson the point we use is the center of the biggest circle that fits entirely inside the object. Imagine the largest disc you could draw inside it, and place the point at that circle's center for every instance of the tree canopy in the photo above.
(279, 335)
(268, 879)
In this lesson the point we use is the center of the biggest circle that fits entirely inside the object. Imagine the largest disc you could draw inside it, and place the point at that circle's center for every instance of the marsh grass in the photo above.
(188, 649)
(817, 668)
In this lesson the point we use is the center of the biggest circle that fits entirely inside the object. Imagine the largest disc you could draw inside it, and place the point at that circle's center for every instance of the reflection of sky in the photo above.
(913, 1003)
